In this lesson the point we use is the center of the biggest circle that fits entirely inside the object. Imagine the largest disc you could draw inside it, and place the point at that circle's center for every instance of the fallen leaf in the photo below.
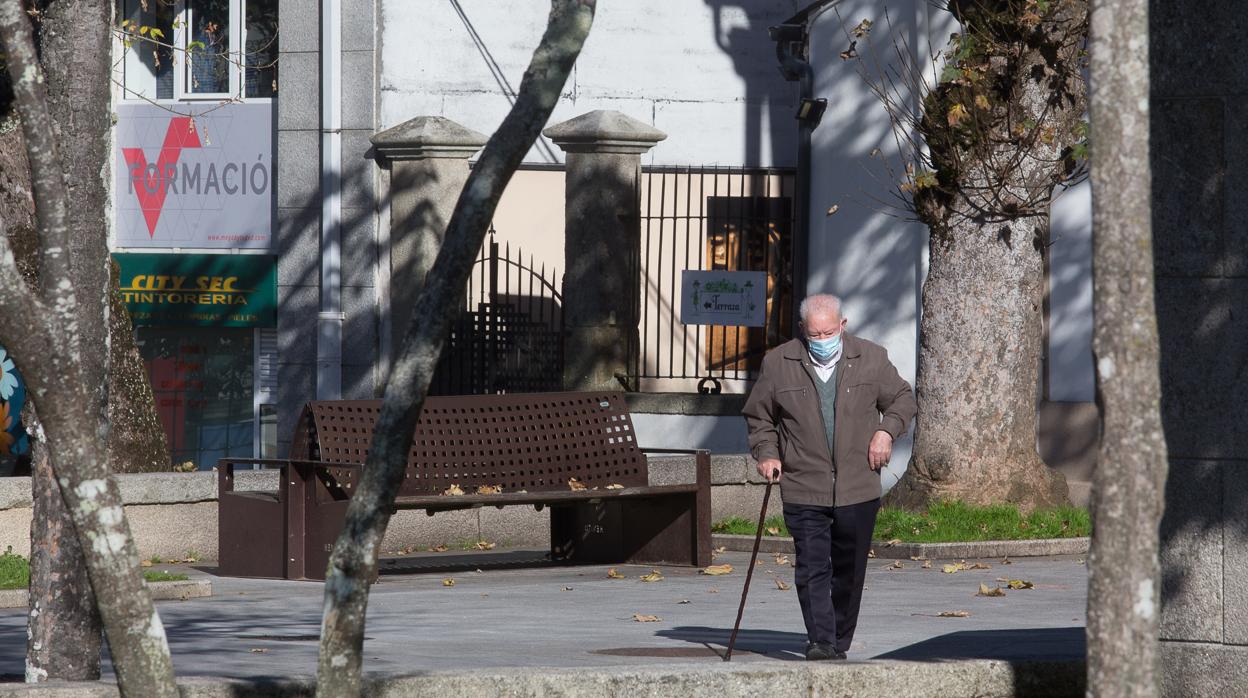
(981, 102)
(646, 619)
(448, 582)
(614, 486)
(654, 576)
(712, 590)
(782, 559)
(850, 52)
(985, 591)
(683, 601)
(979, 566)
(961, 565)
(833, 209)
(895, 566)
(453, 491)
(717, 569)
(863, 28)
(953, 614)
(567, 589)
(484, 545)
(258, 650)
(1020, 584)
(146, 563)
(955, 567)
(781, 584)
(721, 549)
(440, 548)
(871, 552)
(917, 558)
(875, 152)
(957, 114)
(1006, 561)
(891, 543)
(490, 489)
(773, 531)
(927, 564)
(612, 574)
(575, 485)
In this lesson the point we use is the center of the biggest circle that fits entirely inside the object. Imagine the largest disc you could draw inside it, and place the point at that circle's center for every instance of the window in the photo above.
(200, 49)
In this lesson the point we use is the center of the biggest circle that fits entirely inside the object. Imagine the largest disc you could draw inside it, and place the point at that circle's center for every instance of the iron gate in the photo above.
(509, 336)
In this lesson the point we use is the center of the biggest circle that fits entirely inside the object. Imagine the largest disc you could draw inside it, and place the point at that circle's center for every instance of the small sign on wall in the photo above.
(723, 298)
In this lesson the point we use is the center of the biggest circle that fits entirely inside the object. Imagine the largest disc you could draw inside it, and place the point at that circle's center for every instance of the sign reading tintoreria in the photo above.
(723, 298)
(200, 176)
(217, 290)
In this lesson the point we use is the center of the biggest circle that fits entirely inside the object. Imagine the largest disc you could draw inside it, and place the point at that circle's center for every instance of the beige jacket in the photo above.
(785, 422)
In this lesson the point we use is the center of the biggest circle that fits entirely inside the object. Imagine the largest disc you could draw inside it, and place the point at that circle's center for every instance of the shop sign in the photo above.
(198, 177)
(723, 298)
(215, 290)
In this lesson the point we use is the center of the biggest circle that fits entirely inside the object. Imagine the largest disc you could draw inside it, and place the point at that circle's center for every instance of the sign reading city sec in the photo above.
(199, 176)
(723, 298)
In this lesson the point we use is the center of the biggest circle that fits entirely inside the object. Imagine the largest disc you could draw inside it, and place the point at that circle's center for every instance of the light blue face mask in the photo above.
(824, 349)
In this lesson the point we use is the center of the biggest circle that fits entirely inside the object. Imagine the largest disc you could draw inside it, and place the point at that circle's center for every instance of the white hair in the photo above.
(819, 303)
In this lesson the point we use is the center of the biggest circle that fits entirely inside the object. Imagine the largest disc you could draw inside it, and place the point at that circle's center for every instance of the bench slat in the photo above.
(546, 497)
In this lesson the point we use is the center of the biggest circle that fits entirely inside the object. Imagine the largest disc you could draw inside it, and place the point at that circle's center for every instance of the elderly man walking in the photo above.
(823, 417)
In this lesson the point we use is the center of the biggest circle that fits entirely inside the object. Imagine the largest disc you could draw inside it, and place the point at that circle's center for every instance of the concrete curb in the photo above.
(160, 591)
(872, 679)
(936, 551)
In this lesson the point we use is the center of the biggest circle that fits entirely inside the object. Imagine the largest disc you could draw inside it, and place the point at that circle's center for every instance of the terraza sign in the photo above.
(194, 179)
(200, 289)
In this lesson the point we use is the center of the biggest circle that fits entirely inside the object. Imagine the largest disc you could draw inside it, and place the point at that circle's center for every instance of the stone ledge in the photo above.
(160, 591)
(935, 551)
(686, 404)
(871, 679)
(152, 488)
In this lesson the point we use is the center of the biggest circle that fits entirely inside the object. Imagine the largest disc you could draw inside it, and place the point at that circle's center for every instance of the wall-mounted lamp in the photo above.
(810, 111)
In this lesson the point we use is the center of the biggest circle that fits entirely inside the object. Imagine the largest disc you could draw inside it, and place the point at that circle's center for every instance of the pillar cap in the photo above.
(427, 137)
(604, 131)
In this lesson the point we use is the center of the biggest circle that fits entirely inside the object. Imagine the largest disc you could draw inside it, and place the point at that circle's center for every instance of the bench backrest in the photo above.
(531, 442)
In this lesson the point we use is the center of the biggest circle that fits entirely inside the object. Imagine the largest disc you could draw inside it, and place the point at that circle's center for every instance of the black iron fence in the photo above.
(710, 218)
(509, 336)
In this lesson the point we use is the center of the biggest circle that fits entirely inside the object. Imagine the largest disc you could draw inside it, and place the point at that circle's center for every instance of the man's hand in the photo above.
(880, 451)
(769, 468)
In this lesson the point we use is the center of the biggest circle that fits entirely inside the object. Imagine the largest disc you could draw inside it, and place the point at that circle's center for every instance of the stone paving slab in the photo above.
(509, 610)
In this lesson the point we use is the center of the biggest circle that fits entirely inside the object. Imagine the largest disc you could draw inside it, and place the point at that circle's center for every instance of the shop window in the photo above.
(202, 379)
(201, 49)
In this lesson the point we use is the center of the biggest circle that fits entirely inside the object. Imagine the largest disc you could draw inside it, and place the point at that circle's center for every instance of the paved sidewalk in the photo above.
(508, 609)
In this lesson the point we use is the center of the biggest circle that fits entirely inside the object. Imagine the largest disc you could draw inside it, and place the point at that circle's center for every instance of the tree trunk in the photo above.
(63, 631)
(1000, 128)
(1128, 489)
(354, 559)
(49, 351)
(979, 360)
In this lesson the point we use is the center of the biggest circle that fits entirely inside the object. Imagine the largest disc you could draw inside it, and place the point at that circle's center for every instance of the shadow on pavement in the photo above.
(1030, 644)
(770, 643)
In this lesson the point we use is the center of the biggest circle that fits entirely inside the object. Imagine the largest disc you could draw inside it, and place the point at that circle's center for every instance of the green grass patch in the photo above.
(162, 576)
(746, 527)
(14, 571)
(948, 522)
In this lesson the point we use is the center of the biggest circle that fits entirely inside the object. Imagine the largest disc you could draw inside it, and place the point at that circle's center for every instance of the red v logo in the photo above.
(151, 182)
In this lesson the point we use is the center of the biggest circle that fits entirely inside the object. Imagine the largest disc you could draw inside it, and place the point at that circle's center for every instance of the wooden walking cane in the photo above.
(749, 573)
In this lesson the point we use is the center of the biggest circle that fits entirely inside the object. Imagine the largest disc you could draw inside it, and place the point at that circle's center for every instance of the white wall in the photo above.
(703, 71)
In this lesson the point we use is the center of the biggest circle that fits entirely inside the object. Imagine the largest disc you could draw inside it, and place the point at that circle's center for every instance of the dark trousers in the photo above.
(831, 545)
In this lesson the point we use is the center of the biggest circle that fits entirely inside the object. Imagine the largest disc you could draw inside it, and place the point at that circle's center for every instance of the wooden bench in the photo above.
(530, 445)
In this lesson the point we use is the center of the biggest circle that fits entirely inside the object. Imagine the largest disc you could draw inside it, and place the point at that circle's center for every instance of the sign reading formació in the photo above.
(217, 290)
(202, 177)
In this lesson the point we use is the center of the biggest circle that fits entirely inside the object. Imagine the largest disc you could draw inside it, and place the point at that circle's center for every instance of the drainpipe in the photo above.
(790, 51)
(329, 319)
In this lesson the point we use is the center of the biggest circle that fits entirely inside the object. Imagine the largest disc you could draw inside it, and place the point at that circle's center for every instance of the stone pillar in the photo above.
(428, 161)
(602, 247)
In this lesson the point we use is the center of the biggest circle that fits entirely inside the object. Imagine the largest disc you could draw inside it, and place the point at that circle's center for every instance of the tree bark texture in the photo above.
(136, 437)
(354, 560)
(69, 416)
(999, 128)
(64, 632)
(1128, 489)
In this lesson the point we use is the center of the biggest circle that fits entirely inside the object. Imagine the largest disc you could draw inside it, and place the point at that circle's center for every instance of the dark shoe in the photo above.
(839, 655)
(821, 651)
